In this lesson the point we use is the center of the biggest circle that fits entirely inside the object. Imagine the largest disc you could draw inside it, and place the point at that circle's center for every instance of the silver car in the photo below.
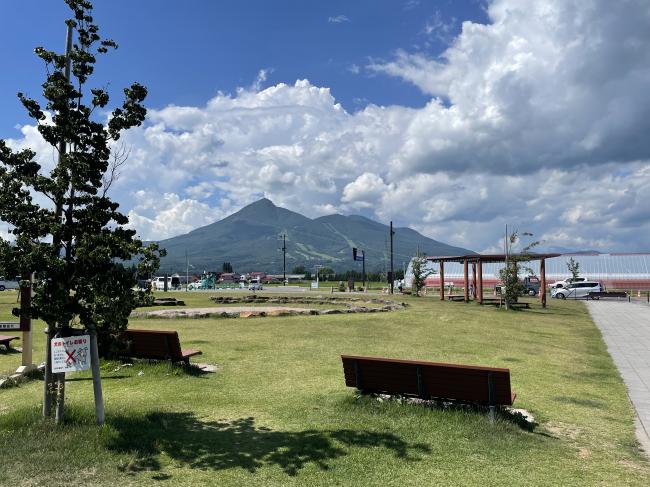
(577, 290)
(8, 284)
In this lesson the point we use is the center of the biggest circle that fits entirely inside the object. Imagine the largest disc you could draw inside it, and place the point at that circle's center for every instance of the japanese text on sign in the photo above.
(70, 354)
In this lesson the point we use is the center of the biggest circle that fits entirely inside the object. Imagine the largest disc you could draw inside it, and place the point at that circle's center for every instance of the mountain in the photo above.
(251, 241)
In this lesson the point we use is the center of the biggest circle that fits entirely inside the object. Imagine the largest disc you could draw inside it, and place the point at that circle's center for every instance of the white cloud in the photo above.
(365, 191)
(338, 19)
(538, 120)
(545, 84)
(167, 215)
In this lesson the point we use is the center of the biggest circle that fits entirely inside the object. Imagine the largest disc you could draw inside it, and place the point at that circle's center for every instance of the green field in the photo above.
(277, 411)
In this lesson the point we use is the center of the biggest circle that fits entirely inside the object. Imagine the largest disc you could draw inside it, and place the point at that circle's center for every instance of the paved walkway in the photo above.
(626, 330)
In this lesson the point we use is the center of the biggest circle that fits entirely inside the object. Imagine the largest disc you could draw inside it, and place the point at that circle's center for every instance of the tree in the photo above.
(509, 275)
(226, 267)
(299, 269)
(420, 273)
(67, 229)
(574, 268)
(326, 273)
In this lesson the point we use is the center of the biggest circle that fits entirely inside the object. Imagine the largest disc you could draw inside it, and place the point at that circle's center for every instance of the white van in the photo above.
(173, 283)
(4, 284)
(577, 290)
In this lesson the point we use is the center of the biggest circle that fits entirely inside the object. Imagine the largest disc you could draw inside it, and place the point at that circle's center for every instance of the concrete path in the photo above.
(626, 330)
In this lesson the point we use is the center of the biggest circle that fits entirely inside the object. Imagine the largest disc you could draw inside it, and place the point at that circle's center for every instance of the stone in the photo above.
(207, 367)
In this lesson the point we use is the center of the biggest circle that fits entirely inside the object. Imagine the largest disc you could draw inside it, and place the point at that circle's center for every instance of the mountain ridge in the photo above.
(250, 239)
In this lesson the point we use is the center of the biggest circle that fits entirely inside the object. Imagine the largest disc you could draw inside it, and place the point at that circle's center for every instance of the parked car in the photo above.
(577, 290)
(530, 285)
(255, 286)
(11, 284)
(173, 283)
(566, 282)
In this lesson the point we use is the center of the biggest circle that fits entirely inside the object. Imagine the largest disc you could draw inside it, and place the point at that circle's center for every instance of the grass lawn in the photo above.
(277, 412)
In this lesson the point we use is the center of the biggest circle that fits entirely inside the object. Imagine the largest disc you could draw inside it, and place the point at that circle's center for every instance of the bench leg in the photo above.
(491, 398)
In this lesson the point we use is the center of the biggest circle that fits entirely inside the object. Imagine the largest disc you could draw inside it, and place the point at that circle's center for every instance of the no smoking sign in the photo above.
(70, 354)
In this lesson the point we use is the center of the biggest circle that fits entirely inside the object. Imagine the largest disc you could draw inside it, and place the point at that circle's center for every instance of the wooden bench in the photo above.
(487, 386)
(157, 345)
(606, 294)
(6, 341)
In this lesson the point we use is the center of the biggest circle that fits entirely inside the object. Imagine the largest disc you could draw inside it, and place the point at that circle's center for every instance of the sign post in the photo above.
(362, 258)
(26, 324)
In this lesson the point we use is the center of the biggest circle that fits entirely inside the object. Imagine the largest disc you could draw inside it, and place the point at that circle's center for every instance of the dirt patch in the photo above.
(563, 430)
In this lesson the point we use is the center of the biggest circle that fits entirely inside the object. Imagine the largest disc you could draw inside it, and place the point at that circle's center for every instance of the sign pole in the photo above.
(97, 380)
(60, 397)
(48, 382)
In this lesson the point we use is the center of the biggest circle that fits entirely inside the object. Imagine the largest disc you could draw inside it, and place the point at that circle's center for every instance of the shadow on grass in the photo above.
(590, 403)
(104, 377)
(505, 414)
(8, 351)
(221, 445)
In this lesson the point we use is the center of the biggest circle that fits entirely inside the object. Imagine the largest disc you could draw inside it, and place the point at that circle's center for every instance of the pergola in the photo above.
(477, 261)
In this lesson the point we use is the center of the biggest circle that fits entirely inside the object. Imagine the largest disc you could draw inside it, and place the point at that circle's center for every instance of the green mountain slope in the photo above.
(251, 240)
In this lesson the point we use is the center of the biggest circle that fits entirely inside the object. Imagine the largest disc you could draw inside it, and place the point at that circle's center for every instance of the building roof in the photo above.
(488, 257)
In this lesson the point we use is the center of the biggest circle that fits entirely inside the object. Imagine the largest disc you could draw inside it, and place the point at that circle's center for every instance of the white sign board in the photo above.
(70, 354)
(7, 326)
(314, 285)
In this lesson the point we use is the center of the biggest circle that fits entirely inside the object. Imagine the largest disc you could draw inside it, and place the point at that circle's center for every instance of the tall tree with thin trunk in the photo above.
(574, 268)
(420, 273)
(66, 228)
(509, 275)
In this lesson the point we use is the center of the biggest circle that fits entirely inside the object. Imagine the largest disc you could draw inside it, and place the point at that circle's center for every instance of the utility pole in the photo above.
(284, 259)
(505, 241)
(392, 277)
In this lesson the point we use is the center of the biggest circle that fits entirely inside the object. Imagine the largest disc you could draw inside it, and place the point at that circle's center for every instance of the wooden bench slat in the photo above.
(6, 340)
(190, 353)
(423, 362)
(428, 379)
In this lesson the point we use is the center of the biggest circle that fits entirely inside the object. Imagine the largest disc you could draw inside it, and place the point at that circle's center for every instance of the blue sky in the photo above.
(185, 52)
(451, 117)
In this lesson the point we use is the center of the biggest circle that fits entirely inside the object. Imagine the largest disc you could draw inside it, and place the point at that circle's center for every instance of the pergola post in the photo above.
(474, 280)
(442, 280)
(480, 281)
(466, 277)
(542, 284)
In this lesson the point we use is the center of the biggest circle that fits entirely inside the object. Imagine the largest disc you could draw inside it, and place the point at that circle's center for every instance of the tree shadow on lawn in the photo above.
(9, 351)
(221, 445)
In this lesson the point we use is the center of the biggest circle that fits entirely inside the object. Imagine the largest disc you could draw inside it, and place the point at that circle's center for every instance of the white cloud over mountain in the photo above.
(538, 119)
